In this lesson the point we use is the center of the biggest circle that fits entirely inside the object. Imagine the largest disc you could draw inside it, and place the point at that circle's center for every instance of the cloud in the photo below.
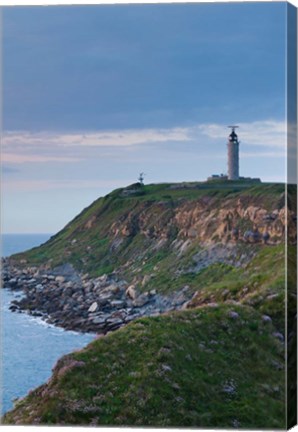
(129, 137)
(20, 147)
(21, 158)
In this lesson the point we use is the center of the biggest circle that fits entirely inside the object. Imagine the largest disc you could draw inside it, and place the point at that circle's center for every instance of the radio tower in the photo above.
(233, 155)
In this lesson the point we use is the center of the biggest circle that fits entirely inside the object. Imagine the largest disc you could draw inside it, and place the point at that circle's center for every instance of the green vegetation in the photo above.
(201, 368)
(219, 363)
(261, 284)
(88, 242)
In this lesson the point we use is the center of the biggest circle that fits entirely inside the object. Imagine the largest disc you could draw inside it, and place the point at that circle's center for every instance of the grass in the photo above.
(261, 284)
(195, 368)
(198, 368)
(95, 226)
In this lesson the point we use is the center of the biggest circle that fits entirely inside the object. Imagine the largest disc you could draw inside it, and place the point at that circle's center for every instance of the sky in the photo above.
(94, 95)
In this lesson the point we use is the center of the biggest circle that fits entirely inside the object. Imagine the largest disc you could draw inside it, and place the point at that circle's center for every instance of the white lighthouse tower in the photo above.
(233, 155)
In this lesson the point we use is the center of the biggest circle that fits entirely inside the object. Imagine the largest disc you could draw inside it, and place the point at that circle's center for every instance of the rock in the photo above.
(145, 280)
(117, 304)
(113, 288)
(272, 296)
(13, 281)
(225, 293)
(166, 368)
(185, 305)
(60, 279)
(31, 281)
(87, 284)
(131, 292)
(266, 318)
(93, 307)
(100, 319)
(152, 292)
(229, 388)
(105, 297)
(141, 300)
(115, 320)
(39, 287)
(278, 336)
(102, 278)
(178, 300)
(129, 318)
(233, 314)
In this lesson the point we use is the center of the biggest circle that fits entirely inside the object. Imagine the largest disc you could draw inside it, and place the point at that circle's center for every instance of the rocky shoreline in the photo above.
(75, 301)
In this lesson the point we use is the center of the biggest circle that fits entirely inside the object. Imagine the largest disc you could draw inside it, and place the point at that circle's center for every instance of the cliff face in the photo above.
(130, 226)
(207, 220)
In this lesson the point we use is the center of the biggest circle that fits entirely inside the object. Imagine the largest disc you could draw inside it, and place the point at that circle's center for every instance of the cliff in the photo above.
(194, 274)
(135, 225)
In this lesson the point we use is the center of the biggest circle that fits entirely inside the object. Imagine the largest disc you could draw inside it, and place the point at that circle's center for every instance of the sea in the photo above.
(29, 346)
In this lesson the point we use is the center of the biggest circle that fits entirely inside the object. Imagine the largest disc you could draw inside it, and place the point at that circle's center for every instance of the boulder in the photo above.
(131, 292)
(105, 296)
(13, 281)
(278, 336)
(233, 314)
(141, 300)
(113, 288)
(114, 321)
(99, 319)
(60, 279)
(118, 304)
(102, 278)
(31, 281)
(99, 322)
(266, 318)
(93, 307)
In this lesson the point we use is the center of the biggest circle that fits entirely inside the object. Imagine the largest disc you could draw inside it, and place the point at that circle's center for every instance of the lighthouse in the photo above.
(233, 155)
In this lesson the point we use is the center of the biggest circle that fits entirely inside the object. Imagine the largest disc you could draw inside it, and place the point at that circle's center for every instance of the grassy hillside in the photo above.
(211, 367)
(91, 241)
(217, 363)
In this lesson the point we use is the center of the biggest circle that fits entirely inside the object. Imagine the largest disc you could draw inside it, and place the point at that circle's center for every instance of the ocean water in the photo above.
(13, 243)
(29, 347)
